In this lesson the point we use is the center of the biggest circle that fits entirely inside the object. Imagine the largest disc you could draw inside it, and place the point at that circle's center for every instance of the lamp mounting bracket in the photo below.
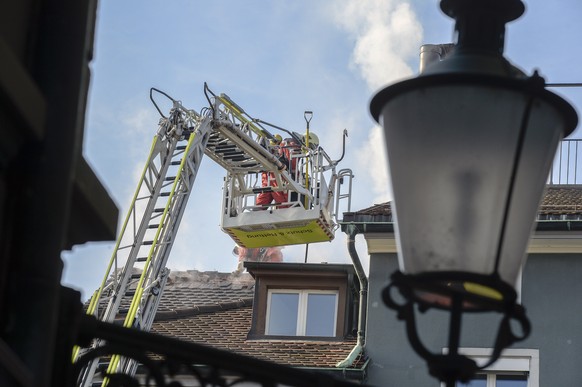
(452, 366)
(480, 24)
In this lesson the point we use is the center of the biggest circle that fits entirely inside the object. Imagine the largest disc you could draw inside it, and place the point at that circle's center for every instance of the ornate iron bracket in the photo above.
(434, 291)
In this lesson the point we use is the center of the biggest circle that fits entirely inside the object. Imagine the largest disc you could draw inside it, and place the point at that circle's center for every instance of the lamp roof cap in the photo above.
(506, 10)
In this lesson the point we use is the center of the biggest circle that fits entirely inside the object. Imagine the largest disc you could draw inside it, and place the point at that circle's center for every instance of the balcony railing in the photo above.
(565, 169)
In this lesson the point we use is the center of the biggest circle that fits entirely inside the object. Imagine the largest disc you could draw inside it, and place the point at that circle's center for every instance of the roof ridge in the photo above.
(200, 279)
(201, 309)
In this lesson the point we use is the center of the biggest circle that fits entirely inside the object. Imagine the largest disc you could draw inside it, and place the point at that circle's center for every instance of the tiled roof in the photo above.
(216, 309)
(228, 330)
(377, 209)
(562, 200)
(558, 200)
(195, 289)
(192, 288)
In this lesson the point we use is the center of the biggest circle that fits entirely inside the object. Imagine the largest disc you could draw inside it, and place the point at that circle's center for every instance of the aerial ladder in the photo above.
(136, 275)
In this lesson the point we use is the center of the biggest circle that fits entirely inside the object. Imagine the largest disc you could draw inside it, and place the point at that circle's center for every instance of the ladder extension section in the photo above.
(137, 273)
(237, 144)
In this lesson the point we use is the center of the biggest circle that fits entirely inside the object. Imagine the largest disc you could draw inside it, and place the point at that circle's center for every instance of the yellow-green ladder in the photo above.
(137, 269)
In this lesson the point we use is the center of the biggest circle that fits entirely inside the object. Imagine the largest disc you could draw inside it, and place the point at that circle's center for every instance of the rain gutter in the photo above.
(347, 373)
(558, 225)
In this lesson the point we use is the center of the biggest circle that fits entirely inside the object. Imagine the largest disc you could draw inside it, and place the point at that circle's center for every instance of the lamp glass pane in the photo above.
(543, 137)
(450, 153)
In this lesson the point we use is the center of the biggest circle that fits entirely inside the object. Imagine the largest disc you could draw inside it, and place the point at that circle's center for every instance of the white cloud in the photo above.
(138, 127)
(374, 161)
(139, 122)
(387, 35)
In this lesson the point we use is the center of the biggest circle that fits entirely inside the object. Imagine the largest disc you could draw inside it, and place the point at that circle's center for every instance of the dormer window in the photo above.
(301, 312)
(311, 301)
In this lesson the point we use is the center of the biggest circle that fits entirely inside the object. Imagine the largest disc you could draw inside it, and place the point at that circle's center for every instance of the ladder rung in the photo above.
(153, 226)
(175, 163)
(221, 148)
(225, 148)
(135, 276)
(232, 154)
(181, 147)
(141, 259)
(102, 365)
(249, 165)
(147, 243)
(158, 210)
(238, 158)
(171, 178)
(165, 193)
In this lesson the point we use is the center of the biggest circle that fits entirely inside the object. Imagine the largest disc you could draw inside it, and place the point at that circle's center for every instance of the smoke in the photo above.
(387, 36)
(374, 161)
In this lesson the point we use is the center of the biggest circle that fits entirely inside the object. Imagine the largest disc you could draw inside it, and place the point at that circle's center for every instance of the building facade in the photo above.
(264, 312)
(549, 289)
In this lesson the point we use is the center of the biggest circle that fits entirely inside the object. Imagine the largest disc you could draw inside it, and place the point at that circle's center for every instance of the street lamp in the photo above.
(470, 142)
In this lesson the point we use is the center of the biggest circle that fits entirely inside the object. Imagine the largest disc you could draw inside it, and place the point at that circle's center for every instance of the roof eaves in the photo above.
(367, 223)
(560, 210)
(304, 268)
(349, 373)
(559, 225)
(196, 310)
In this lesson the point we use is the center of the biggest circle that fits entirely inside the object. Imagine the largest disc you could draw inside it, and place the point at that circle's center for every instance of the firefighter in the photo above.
(268, 178)
(290, 149)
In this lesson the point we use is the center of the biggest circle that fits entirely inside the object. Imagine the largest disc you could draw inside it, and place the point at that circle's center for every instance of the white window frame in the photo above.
(302, 308)
(512, 360)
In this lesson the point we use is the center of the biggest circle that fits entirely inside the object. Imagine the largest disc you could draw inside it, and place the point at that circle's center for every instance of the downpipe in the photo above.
(362, 313)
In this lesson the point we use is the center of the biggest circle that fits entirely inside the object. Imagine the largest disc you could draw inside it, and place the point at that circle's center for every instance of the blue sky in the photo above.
(276, 59)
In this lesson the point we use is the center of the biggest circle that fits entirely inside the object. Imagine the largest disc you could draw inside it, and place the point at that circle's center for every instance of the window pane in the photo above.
(320, 315)
(511, 381)
(477, 381)
(283, 314)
